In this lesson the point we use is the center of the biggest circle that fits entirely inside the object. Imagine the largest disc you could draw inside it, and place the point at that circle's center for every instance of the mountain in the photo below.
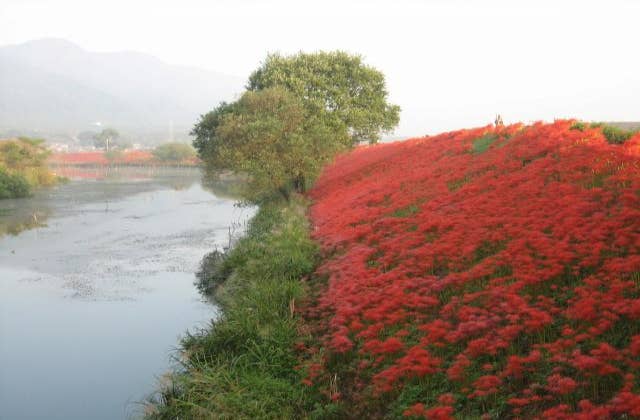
(53, 84)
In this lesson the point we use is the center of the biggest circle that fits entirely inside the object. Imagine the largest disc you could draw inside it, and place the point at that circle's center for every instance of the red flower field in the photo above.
(127, 158)
(132, 157)
(492, 271)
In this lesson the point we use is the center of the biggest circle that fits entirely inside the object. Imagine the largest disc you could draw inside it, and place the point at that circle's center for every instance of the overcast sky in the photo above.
(449, 63)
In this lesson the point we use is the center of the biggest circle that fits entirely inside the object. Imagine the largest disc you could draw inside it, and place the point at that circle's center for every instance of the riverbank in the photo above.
(483, 273)
(23, 167)
(246, 363)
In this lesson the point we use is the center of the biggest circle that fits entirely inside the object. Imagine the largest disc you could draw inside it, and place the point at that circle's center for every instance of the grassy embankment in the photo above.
(491, 271)
(245, 364)
(23, 167)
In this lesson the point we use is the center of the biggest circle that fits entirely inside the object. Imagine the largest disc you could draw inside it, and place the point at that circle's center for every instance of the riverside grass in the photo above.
(245, 364)
(427, 303)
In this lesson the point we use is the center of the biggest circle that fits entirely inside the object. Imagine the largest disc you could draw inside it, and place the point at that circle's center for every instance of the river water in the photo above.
(97, 286)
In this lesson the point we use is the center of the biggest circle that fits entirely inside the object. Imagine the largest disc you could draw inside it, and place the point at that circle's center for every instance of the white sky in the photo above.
(449, 64)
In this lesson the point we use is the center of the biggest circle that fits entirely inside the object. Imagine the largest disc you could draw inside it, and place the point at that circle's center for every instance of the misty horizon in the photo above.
(448, 65)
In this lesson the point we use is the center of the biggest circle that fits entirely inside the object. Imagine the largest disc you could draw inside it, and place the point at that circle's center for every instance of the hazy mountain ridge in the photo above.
(52, 84)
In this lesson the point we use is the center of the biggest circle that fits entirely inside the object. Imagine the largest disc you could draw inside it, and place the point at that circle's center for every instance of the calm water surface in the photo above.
(97, 285)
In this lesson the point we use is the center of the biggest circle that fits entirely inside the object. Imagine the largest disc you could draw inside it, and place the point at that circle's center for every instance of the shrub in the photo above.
(26, 158)
(13, 185)
(613, 133)
(174, 152)
(617, 135)
(578, 125)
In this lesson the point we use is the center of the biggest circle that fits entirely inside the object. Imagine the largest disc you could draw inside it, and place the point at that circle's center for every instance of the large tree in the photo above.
(269, 137)
(206, 142)
(106, 139)
(336, 87)
(297, 113)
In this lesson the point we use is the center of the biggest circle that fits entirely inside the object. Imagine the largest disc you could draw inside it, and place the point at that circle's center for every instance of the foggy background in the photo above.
(448, 64)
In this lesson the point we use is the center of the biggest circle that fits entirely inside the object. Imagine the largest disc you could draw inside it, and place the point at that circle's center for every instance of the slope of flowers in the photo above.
(491, 271)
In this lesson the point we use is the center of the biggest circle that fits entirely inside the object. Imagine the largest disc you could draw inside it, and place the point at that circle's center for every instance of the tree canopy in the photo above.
(106, 139)
(17, 154)
(269, 137)
(297, 113)
(174, 152)
(335, 86)
(206, 142)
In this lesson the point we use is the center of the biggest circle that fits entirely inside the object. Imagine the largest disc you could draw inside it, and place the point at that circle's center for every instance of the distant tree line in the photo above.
(174, 152)
(113, 146)
(296, 114)
(108, 140)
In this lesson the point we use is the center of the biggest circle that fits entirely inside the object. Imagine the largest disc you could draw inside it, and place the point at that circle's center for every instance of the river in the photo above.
(97, 286)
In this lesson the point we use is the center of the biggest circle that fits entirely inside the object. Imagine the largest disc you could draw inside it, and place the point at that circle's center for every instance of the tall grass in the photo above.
(244, 364)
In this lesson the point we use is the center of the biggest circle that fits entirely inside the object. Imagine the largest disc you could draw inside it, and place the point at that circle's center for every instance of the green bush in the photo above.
(613, 134)
(616, 135)
(174, 152)
(24, 159)
(578, 125)
(13, 186)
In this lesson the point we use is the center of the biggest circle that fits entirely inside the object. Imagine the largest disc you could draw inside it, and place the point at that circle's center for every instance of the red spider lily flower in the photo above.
(504, 252)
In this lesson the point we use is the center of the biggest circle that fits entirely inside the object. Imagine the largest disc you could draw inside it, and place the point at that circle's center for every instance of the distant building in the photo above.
(58, 147)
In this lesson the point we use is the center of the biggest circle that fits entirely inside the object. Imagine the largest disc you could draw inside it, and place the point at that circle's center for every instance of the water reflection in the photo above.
(223, 185)
(128, 173)
(103, 280)
(16, 217)
(211, 273)
(87, 185)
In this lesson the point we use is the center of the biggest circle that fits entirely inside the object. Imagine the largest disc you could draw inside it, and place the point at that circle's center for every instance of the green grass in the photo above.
(579, 126)
(481, 144)
(613, 133)
(243, 365)
(458, 183)
(407, 211)
(617, 135)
